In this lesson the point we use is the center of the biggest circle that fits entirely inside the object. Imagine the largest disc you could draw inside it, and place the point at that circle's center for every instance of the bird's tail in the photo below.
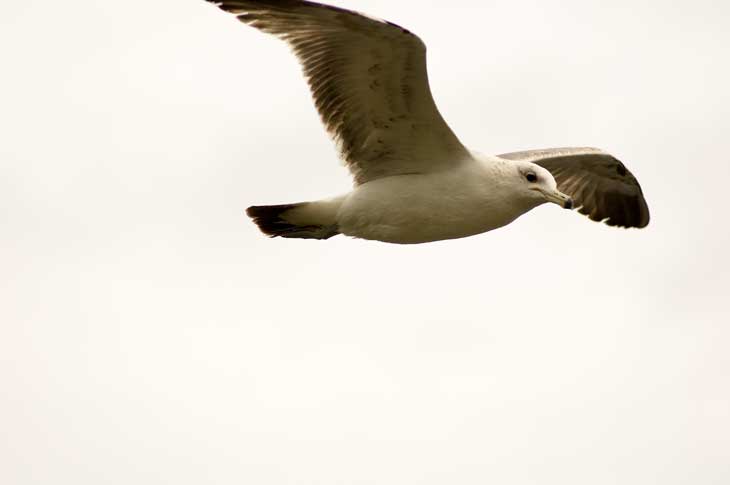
(305, 220)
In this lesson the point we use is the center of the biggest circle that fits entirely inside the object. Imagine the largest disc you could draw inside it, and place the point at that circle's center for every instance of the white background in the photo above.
(150, 334)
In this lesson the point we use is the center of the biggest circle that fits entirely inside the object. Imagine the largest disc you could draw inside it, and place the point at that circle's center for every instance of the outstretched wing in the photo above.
(369, 82)
(601, 186)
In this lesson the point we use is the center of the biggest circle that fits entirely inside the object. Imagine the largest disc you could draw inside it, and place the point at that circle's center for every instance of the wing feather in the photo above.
(369, 82)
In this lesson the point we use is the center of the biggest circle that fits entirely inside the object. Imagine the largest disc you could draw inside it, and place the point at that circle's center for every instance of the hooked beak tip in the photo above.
(559, 198)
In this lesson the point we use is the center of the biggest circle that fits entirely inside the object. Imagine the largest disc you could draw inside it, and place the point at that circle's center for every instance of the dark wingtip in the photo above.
(631, 212)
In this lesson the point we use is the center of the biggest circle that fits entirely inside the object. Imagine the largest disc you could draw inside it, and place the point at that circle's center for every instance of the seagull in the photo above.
(414, 182)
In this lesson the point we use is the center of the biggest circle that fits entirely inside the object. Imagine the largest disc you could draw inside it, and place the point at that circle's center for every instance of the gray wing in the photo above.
(369, 82)
(601, 186)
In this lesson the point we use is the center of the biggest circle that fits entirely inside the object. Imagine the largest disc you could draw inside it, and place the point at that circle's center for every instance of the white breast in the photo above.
(419, 208)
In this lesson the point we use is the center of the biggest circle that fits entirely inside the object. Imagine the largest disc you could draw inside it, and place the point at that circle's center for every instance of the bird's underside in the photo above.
(370, 86)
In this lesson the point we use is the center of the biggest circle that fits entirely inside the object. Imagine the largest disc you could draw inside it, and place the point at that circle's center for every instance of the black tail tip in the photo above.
(268, 218)
(271, 222)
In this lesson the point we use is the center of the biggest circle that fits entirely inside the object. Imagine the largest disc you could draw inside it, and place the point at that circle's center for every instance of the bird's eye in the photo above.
(531, 177)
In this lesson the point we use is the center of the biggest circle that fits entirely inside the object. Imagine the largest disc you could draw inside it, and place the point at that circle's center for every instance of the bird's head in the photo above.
(538, 185)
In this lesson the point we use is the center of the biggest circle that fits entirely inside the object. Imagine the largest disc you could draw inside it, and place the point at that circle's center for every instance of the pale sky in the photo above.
(150, 334)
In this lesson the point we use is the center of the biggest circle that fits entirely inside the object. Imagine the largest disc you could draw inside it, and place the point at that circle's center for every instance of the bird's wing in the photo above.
(600, 184)
(369, 83)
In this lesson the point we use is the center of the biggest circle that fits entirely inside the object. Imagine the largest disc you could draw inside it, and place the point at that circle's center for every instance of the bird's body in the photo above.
(418, 208)
(473, 197)
(414, 180)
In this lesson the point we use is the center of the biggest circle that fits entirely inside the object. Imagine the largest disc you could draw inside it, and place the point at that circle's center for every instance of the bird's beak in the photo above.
(557, 197)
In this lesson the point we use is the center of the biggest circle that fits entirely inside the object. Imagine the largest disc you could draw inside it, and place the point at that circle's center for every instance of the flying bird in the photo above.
(414, 182)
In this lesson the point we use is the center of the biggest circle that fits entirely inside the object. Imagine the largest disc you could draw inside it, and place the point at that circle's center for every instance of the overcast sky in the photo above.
(150, 334)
